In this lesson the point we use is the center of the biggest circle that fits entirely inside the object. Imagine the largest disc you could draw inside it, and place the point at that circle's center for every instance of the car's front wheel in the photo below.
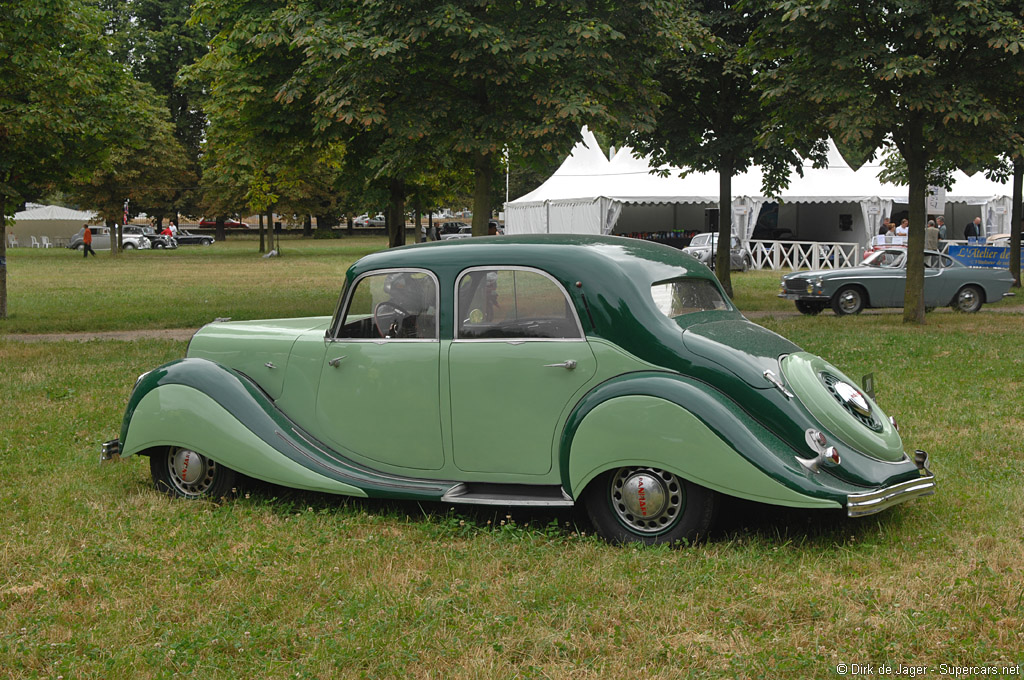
(183, 472)
(848, 300)
(648, 505)
(128, 246)
(811, 308)
(968, 299)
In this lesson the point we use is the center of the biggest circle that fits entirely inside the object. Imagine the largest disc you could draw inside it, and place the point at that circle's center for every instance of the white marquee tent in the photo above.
(48, 220)
(592, 194)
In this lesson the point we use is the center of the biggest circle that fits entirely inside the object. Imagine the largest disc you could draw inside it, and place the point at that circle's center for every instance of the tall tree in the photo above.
(911, 75)
(713, 119)
(471, 77)
(59, 94)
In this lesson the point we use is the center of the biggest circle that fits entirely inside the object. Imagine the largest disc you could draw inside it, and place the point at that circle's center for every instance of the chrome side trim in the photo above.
(870, 502)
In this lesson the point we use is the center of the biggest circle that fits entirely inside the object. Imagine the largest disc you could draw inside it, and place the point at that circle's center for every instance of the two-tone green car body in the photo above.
(524, 371)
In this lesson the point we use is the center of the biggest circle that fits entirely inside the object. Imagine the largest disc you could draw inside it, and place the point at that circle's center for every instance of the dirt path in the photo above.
(146, 334)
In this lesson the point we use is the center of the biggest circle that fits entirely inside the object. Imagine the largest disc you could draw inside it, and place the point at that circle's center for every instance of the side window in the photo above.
(513, 303)
(396, 305)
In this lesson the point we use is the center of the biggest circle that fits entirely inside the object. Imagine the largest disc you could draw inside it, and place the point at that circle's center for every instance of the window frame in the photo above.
(513, 268)
(346, 302)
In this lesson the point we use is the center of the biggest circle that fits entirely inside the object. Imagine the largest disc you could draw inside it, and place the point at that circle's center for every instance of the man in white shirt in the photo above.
(904, 227)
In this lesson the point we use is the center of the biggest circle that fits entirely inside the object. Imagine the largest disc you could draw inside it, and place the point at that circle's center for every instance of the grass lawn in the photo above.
(102, 577)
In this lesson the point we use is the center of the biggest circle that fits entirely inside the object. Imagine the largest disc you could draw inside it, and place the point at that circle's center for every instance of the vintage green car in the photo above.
(524, 371)
(881, 281)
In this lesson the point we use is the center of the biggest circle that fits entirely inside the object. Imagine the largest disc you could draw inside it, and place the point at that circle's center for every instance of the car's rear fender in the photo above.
(218, 412)
(692, 430)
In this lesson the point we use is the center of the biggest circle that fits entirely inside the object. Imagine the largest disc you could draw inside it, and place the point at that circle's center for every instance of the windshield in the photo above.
(885, 258)
(687, 296)
(701, 240)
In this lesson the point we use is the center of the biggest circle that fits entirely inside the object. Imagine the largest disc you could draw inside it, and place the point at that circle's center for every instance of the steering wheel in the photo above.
(388, 317)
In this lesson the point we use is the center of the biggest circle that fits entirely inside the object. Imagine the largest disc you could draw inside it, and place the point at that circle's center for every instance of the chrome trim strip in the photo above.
(870, 502)
(459, 494)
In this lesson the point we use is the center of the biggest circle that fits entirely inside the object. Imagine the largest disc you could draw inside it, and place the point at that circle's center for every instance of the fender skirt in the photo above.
(692, 430)
(222, 414)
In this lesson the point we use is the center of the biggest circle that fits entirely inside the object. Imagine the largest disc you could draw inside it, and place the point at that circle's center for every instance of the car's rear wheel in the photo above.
(208, 242)
(648, 505)
(968, 299)
(183, 472)
(80, 247)
(158, 245)
(811, 308)
(848, 300)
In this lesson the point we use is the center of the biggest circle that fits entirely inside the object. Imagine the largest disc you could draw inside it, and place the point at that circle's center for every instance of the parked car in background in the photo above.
(365, 220)
(446, 230)
(228, 224)
(881, 281)
(703, 247)
(101, 240)
(158, 241)
(187, 238)
(536, 371)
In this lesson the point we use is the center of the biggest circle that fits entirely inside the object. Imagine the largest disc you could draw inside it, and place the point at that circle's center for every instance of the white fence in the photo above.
(803, 255)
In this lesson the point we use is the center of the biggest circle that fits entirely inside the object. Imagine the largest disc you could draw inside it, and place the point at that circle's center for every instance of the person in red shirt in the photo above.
(87, 242)
(167, 231)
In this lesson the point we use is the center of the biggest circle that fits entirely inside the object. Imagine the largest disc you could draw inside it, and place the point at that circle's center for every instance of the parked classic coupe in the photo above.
(187, 238)
(881, 281)
(524, 371)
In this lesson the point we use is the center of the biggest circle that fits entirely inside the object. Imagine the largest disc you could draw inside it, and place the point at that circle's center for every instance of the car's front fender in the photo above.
(688, 428)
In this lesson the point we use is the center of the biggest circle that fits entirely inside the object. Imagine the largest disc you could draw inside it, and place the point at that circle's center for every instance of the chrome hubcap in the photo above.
(849, 301)
(967, 299)
(647, 500)
(191, 473)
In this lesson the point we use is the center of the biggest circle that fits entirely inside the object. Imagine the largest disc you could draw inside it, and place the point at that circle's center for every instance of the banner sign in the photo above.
(982, 256)
(936, 200)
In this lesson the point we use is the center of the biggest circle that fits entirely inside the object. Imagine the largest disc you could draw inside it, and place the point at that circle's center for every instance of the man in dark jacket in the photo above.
(972, 230)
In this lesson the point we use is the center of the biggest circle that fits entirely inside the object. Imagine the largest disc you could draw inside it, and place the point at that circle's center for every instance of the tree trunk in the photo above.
(417, 221)
(350, 225)
(273, 239)
(219, 232)
(913, 297)
(723, 261)
(1016, 219)
(3, 258)
(324, 225)
(396, 213)
(307, 226)
(115, 237)
(483, 167)
(263, 236)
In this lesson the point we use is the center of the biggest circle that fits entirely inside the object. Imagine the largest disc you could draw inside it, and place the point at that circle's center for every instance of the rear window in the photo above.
(686, 296)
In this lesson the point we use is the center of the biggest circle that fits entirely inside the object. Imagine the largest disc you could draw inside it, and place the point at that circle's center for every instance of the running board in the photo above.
(511, 495)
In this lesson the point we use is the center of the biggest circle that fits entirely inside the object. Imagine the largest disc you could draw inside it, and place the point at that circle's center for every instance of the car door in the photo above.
(517, 360)
(379, 384)
(940, 283)
(100, 238)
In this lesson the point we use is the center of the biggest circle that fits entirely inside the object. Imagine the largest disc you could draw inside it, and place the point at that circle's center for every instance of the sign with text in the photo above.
(982, 256)
(936, 200)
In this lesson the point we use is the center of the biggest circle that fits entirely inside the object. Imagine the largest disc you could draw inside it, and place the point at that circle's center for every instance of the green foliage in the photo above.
(921, 77)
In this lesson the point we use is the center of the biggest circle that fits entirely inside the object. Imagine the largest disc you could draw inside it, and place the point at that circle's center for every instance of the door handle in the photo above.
(333, 363)
(568, 365)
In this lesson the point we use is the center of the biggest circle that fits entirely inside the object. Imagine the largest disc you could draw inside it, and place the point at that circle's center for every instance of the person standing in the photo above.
(904, 228)
(87, 242)
(940, 224)
(886, 226)
(931, 236)
(973, 229)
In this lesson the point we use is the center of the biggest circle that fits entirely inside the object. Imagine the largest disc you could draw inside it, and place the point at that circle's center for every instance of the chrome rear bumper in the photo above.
(870, 502)
(110, 450)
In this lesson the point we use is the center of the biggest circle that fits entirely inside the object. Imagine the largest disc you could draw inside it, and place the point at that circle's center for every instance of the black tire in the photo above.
(810, 308)
(208, 242)
(678, 510)
(746, 263)
(80, 247)
(128, 246)
(158, 246)
(182, 472)
(968, 300)
(848, 300)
